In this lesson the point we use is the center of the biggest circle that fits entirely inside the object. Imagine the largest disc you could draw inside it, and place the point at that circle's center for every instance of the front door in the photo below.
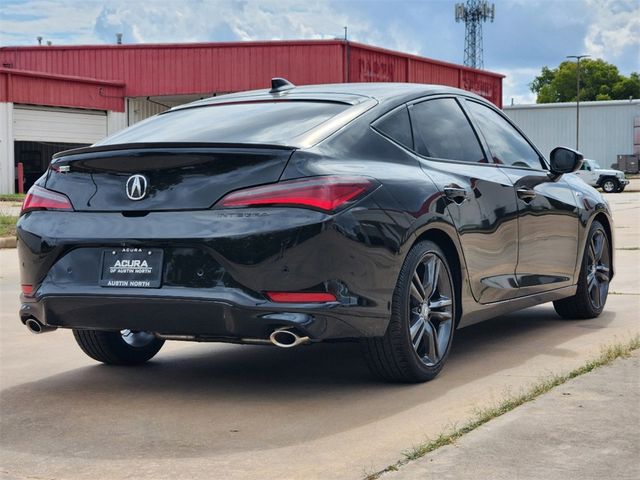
(547, 208)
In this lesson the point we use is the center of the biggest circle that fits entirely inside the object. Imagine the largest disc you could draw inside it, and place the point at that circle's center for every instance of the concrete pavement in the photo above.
(235, 412)
(587, 428)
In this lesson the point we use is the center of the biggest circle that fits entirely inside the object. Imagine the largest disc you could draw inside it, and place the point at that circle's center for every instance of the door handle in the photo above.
(455, 193)
(526, 194)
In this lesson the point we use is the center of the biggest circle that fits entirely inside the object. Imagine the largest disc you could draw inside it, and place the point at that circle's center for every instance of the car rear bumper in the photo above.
(218, 267)
(194, 318)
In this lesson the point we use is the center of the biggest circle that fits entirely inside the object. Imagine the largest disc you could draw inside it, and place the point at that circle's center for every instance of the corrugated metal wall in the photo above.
(606, 128)
(371, 64)
(140, 108)
(36, 89)
(150, 70)
(175, 69)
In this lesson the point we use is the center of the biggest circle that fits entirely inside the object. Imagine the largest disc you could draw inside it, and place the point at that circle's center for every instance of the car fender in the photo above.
(592, 206)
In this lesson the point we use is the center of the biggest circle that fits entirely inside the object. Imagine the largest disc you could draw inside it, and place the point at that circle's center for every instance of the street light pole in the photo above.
(578, 58)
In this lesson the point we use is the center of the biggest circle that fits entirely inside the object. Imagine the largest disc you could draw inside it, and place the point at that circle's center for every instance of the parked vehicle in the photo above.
(388, 213)
(609, 180)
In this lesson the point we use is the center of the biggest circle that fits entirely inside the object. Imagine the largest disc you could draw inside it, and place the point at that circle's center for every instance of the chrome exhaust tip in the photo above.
(35, 327)
(285, 338)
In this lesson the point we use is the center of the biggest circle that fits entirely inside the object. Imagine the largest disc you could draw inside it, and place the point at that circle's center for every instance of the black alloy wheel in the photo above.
(420, 332)
(431, 309)
(593, 282)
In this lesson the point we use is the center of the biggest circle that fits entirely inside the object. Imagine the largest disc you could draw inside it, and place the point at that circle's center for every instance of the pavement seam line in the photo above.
(608, 354)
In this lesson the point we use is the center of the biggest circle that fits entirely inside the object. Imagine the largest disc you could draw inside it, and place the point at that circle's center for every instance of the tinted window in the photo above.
(443, 131)
(397, 126)
(507, 145)
(259, 122)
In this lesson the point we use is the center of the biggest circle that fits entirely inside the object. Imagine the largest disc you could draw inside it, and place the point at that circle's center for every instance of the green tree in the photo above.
(599, 80)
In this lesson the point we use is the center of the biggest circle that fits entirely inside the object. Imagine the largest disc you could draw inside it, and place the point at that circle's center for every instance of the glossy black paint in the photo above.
(180, 178)
(515, 235)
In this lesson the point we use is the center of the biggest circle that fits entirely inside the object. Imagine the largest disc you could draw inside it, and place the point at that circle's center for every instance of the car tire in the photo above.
(118, 348)
(593, 281)
(610, 185)
(423, 318)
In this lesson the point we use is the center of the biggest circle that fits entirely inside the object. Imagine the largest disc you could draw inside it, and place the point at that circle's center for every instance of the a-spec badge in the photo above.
(137, 187)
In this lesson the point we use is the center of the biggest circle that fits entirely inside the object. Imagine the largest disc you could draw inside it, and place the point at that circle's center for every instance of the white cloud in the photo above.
(211, 20)
(515, 86)
(22, 22)
(615, 28)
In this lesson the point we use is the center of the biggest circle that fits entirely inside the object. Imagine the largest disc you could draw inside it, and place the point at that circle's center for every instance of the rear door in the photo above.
(547, 208)
(480, 197)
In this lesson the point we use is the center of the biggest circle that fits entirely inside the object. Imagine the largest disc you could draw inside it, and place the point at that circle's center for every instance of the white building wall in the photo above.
(116, 121)
(606, 128)
(7, 169)
(140, 108)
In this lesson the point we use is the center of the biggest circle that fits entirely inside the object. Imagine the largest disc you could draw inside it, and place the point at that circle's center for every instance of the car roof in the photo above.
(349, 93)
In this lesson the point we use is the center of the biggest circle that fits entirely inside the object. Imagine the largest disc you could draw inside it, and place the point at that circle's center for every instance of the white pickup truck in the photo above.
(609, 180)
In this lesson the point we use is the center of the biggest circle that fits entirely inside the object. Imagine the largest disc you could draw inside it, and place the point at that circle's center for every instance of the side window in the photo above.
(397, 126)
(441, 130)
(507, 145)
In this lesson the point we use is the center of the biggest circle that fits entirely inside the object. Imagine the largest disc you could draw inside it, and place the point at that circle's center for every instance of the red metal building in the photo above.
(111, 86)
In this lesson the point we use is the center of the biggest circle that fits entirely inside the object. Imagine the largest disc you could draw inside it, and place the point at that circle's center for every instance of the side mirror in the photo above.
(565, 160)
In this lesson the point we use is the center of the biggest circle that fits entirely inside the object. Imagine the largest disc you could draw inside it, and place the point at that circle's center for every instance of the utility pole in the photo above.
(578, 58)
(473, 13)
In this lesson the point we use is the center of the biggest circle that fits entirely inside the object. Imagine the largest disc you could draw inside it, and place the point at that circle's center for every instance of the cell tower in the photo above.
(473, 13)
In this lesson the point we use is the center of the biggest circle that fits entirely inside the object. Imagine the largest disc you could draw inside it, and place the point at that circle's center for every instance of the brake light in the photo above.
(328, 193)
(27, 290)
(39, 198)
(301, 297)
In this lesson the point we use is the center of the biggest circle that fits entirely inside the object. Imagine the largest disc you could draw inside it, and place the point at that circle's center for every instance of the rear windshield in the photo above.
(260, 122)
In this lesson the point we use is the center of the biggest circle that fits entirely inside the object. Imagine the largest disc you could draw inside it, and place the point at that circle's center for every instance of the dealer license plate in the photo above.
(131, 268)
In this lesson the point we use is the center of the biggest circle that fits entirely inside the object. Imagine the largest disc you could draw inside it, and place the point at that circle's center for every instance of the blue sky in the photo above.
(526, 34)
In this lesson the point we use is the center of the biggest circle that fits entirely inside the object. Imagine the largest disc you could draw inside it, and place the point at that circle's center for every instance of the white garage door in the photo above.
(63, 125)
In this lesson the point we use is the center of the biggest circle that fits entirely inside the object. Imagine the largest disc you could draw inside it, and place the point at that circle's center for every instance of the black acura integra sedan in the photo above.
(388, 213)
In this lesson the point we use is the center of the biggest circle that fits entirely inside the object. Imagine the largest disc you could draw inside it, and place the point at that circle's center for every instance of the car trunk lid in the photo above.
(161, 177)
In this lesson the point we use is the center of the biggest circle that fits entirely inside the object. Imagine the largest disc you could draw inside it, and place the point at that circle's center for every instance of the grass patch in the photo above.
(8, 226)
(11, 197)
(481, 416)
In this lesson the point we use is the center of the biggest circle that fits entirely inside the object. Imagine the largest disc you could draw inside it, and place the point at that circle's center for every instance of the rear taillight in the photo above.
(328, 193)
(27, 290)
(39, 198)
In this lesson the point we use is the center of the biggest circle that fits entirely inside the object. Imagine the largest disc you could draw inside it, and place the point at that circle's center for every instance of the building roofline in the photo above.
(265, 43)
(599, 103)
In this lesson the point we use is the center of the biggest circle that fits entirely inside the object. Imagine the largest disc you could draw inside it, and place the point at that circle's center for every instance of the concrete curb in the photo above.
(8, 242)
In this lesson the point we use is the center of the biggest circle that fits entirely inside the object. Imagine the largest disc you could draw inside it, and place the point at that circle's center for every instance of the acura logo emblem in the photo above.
(137, 187)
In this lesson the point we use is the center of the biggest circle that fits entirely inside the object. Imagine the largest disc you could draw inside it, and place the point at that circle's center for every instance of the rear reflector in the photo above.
(328, 193)
(27, 289)
(39, 198)
(301, 297)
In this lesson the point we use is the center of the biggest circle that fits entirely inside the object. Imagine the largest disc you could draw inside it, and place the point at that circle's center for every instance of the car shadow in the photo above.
(225, 398)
